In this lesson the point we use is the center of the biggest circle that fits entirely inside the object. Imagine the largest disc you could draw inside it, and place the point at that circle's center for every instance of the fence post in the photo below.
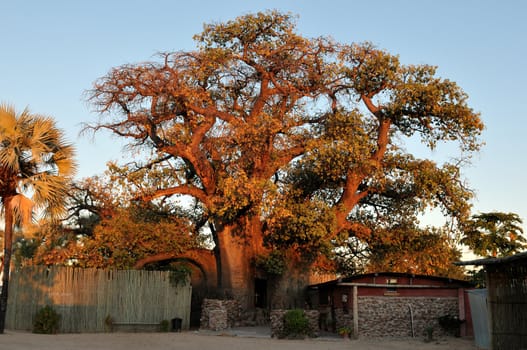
(355, 313)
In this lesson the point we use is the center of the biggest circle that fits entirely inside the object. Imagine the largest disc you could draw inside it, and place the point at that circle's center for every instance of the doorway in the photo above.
(260, 293)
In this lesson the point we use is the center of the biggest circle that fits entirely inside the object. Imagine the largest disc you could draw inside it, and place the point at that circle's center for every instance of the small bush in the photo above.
(164, 326)
(46, 321)
(180, 275)
(296, 325)
(108, 323)
(344, 331)
(450, 324)
(429, 332)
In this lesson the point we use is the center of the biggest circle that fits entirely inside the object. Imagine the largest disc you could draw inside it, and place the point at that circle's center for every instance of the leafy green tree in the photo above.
(414, 250)
(36, 165)
(107, 228)
(288, 143)
(494, 234)
(404, 248)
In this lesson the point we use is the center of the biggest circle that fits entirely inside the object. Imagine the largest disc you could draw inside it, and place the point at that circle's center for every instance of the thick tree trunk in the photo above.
(288, 290)
(8, 244)
(238, 246)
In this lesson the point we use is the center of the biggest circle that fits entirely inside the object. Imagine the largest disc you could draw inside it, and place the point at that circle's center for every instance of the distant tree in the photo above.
(285, 142)
(122, 240)
(414, 250)
(48, 243)
(402, 248)
(36, 165)
(494, 234)
(478, 277)
(107, 228)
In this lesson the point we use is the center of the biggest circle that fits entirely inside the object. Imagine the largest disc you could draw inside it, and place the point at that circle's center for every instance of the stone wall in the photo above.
(343, 318)
(391, 317)
(218, 315)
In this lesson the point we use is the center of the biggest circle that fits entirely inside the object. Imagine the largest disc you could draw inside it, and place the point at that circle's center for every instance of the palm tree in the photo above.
(36, 166)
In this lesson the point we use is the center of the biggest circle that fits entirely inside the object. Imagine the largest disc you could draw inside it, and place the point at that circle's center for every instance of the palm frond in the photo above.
(23, 209)
(49, 192)
(34, 155)
(63, 160)
(7, 121)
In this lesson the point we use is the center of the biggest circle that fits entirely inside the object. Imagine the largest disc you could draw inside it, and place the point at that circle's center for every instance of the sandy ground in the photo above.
(15, 340)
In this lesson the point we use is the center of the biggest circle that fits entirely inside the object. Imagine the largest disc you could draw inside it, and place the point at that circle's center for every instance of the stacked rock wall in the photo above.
(343, 318)
(218, 315)
(398, 316)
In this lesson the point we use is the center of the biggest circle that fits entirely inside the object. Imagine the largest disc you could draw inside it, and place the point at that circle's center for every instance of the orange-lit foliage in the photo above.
(122, 240)
(118, 241)
(414, 250)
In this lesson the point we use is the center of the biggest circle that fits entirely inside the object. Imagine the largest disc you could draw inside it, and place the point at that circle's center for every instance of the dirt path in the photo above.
(14, 340)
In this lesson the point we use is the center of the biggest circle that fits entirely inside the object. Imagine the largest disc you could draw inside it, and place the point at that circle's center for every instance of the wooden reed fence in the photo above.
(507, 302)
(85, 298)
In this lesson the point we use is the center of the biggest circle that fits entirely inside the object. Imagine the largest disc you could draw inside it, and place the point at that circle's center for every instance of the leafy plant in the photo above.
(179, 275)
(429, 331)
(164, 326)
(272, 263)
(344, 330)
(108, 323)
(46, 321)
(450, 324)
(296, 325)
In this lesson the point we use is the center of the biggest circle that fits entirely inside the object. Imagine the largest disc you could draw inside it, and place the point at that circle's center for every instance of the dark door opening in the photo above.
(260, 293)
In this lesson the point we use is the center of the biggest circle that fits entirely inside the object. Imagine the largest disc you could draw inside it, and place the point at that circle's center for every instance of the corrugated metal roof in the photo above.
(493, 261)
(351, 279)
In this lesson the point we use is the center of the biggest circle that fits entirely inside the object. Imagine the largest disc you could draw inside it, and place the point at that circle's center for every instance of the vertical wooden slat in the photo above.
(507, 288)
(85, 297)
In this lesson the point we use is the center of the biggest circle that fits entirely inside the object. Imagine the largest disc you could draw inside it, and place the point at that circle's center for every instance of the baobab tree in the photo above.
(288, 143)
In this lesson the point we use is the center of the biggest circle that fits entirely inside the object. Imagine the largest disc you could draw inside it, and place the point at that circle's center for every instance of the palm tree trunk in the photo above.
(8, 245)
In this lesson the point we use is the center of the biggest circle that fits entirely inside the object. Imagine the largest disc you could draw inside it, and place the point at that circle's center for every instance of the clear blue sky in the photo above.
(52, 51)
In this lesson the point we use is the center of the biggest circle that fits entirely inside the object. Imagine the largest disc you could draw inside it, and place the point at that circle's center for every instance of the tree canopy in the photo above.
(107, 228)
(494, 234)
(287, 142)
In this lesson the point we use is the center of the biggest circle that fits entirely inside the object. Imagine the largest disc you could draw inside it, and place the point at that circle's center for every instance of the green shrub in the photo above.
(450, 324)
(46, 321)
(108, 323)
(164, 326)
(180, 275)
(272, 263)
(296, 325)
(429, 332)
(344, 331)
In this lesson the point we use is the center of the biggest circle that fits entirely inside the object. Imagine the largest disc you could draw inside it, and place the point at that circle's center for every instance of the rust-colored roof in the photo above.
(354, 278)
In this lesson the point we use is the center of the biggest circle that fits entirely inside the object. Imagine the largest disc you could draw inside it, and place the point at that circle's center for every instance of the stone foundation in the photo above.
(392, 317)
(343, 318)
(218, 315)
